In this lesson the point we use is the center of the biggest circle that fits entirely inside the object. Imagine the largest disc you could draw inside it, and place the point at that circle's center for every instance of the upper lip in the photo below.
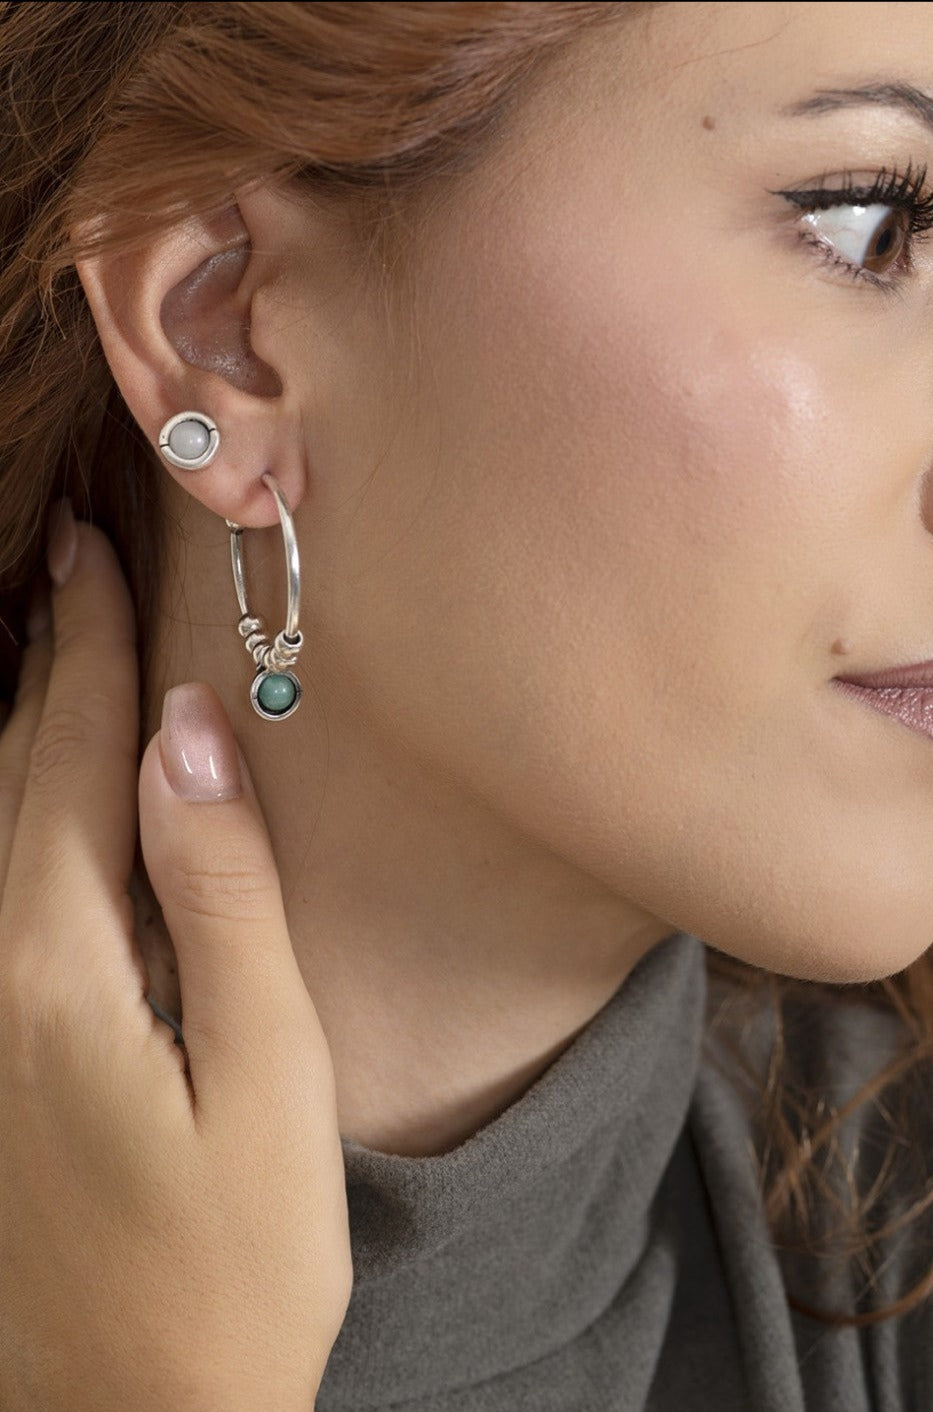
(914, 674)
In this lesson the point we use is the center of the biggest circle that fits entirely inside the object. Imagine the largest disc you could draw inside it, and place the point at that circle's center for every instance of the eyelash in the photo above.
(905, 192)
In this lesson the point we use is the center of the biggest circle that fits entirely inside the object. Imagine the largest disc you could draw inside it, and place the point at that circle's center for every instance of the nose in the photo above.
(926, 500)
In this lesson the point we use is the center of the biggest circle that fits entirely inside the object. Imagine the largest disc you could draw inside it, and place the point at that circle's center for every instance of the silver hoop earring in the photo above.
(276, 690)
(189, 440)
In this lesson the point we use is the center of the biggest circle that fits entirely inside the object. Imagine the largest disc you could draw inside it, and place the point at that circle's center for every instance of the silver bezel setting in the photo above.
(258, 707)
(198, 461)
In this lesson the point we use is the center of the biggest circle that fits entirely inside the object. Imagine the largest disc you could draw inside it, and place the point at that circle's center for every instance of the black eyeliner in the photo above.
(890, 188)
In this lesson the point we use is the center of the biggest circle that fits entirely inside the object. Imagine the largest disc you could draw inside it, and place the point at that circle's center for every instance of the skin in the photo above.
(222, 1269)
(592, 508)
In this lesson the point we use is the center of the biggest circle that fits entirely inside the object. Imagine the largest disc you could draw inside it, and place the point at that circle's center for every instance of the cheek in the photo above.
(626, 536)
(672, 466)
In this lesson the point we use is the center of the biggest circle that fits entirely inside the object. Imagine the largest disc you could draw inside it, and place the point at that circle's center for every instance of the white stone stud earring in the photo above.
(189, 440)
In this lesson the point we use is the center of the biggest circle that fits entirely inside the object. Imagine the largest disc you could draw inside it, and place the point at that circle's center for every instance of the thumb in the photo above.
(210, 863)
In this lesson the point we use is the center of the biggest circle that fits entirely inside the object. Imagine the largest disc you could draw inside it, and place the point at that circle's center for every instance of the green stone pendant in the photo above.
(275, 695)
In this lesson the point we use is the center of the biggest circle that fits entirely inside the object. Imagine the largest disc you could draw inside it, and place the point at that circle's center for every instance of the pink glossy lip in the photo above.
(914, 674)
(906, 693)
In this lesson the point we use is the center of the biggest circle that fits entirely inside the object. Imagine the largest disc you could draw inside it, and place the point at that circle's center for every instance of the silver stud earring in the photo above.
(276, 690)
(189, 440)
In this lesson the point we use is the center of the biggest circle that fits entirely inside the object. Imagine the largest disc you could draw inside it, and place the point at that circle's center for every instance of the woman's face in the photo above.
(660, 471)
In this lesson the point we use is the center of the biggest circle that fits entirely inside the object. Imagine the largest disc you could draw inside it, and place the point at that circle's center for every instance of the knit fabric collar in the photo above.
(474, 1264)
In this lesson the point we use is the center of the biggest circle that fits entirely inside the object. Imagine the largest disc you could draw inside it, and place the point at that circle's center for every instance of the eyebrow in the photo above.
(888, 95)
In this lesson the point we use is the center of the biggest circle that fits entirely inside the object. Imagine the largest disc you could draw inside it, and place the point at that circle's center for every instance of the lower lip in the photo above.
(912, 705)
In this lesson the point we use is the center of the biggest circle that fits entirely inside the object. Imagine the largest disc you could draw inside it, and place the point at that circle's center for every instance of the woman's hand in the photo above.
(164, 1241)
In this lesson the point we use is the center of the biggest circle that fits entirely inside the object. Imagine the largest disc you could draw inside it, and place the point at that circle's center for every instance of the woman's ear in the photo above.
(175, 321)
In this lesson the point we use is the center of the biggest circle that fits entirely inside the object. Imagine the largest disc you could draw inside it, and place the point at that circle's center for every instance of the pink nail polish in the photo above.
(199, 753)
(63, 544)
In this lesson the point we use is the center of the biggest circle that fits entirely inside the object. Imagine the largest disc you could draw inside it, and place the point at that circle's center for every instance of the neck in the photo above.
(451, 956)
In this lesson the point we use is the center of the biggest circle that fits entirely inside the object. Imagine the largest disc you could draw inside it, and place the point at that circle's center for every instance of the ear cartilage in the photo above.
(189, 440)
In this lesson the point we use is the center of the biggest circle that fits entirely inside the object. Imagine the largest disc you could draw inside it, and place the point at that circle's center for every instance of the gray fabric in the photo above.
(599, 1247)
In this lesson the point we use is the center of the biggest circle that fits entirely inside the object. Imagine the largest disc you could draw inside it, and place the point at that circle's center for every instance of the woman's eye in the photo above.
(873, 237)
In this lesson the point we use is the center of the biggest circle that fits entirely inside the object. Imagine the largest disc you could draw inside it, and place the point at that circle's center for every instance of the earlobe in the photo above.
(173, 319)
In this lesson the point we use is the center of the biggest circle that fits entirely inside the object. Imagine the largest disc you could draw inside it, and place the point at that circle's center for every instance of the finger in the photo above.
(18, 734)
(210, 863)
(76, 829)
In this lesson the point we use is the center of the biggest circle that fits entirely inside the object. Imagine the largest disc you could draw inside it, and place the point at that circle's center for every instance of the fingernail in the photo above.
(199, 753)
(63, 543)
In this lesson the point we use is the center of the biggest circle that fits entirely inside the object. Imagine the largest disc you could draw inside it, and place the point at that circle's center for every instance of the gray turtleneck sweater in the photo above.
(600, 1246)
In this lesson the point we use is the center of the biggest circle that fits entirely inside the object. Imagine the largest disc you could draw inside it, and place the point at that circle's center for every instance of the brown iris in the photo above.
(888, 241)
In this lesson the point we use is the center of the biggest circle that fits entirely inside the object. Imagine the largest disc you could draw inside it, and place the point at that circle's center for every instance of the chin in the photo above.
(847, 947)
